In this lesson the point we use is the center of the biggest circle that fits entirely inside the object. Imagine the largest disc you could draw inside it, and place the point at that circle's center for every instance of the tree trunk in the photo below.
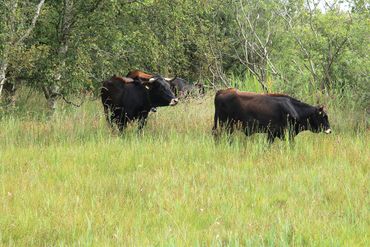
(52, 102)
(3, 68)
(10, 41)
(51, 93)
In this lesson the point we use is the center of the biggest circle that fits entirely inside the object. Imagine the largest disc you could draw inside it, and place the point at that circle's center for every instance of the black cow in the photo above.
(267, 113)
(183, 88)
(127, 99)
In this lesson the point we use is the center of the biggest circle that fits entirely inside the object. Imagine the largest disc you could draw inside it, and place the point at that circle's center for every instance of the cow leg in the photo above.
(121, 120)
(106, 113)
(280, 134)
(114, 117)
(228, 126)
(122, 124)
(292, 134)
(230, 131)
(248, 128)
(214, 128)
(225, 126)
(142, 121)
(109, 115)
(271, 136)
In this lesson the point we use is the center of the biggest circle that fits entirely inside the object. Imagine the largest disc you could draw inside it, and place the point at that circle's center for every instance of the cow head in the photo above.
(201, 88)
(171, 82)
(319, 121)
(160, 92)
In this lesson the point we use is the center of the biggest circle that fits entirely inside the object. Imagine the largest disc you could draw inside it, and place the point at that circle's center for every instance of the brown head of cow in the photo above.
(160, 92)
(318, 121)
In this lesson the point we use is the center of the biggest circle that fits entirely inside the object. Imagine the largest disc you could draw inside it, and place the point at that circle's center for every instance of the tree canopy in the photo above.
(65, 47)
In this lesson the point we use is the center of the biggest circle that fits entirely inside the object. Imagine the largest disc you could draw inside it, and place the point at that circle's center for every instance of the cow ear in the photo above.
(321, 109)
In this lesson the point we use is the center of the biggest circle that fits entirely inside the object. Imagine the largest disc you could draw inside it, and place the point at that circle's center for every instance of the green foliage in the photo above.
(292, 48)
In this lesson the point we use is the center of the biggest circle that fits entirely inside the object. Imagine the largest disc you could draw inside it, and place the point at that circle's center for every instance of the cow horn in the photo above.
(169, 79)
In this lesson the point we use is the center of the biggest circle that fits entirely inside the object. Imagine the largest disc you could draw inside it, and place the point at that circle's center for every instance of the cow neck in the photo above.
(306, 110)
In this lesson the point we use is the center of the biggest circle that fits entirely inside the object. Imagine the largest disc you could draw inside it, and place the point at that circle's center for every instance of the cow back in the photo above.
(121, 92)
(138, 74)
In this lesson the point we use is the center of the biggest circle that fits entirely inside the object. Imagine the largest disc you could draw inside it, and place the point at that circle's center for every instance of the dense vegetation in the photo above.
(67, 179)
(304, 47)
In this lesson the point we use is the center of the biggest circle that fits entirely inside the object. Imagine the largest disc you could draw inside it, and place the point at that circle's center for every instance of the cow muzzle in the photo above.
(174, 102)
(328, 131)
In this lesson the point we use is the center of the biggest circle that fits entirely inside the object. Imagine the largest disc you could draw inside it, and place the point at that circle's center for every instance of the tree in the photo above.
(321, 40)
(14, 18)
(257, 27)
(70, 18)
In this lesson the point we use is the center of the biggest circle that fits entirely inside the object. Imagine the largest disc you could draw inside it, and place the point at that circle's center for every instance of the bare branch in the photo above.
(311, 12)
(311, 68)
(33, 23)
(3, 68)
(72, 103)
(256, 47)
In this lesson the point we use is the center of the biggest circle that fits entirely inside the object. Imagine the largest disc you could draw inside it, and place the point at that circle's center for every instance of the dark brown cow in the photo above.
(127, 99)
(267, 113)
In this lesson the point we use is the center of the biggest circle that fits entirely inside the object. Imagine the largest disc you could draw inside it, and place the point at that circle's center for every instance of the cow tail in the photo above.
(215, 121)
(217, 109)
(214, 129)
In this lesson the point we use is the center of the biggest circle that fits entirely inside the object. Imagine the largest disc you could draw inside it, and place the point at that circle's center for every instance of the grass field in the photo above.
(69, 180)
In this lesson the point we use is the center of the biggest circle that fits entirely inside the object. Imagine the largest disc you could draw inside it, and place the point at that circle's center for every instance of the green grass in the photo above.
(68, 180)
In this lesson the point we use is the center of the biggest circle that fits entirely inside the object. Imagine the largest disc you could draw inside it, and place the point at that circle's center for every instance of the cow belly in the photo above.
(261, 123)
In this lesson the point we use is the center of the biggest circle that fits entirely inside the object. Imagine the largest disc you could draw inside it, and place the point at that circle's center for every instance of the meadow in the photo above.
(69, 180)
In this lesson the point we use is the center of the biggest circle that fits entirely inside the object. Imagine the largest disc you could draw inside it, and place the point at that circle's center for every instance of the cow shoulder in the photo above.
(296, 108)
(288, 107)
(226, 99)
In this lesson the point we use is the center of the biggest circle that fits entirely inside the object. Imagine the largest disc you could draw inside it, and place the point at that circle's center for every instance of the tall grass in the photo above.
(69, 180)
